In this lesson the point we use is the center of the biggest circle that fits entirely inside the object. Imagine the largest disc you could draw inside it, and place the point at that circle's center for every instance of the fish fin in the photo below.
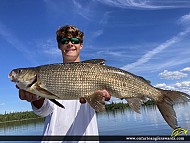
(165, 105)
(57, 103)
(96, 101)
(95, 61)
(44, 91)
(135, 103)
(143, 79)
(33, 82)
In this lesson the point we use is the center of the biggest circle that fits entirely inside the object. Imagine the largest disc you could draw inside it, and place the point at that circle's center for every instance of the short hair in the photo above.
(69, 31)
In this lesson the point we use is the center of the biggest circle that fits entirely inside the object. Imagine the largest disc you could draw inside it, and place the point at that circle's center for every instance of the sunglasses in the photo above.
(66, 40)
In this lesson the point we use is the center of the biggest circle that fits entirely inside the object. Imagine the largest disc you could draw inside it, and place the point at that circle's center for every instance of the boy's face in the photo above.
(70, 49)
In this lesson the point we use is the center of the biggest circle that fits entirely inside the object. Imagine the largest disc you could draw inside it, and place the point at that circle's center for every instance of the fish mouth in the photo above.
(12, 76)
(13, 79)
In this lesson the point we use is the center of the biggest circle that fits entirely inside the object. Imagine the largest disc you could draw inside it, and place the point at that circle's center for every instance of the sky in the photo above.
(149, 38)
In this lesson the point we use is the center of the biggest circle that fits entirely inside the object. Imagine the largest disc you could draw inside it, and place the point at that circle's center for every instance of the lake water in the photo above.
(117, 122)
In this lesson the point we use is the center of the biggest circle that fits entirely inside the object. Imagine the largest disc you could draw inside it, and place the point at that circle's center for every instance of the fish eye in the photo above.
(19, 71)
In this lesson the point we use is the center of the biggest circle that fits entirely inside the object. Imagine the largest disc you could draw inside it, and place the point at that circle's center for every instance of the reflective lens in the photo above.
(66, 40)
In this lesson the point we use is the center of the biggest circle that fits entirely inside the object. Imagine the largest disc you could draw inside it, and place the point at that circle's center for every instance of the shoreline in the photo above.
(29, 115)
(21, 120)
(18, 116)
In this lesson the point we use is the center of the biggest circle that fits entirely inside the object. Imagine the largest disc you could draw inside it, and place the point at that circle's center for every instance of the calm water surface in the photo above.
(149, 122)
(26, 127)
(117, 122)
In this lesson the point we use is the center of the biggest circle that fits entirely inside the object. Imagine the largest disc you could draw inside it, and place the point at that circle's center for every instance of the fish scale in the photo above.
(85, 78)
(74, 80)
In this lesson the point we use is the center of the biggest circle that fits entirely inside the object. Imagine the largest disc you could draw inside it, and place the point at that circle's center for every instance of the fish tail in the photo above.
(165, 105)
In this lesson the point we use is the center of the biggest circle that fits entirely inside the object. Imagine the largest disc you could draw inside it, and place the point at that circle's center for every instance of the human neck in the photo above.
(71, 60)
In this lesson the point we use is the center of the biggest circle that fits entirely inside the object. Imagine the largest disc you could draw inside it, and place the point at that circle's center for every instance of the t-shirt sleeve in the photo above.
(46, 109)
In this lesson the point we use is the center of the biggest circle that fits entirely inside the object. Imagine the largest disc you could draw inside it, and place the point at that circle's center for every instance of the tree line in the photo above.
(16, 116)
(6, 117)
(113, 106)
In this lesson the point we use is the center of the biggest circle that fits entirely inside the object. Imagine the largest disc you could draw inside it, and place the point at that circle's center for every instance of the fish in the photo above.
(71, 81)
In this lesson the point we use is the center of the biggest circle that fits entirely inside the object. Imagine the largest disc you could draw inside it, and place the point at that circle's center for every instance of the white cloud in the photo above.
(164, 86)
(146, 4)
(187, 69)
(172, 74)
(97, 33)
(13, 40)
(110, 53)
(84, 10)
(52, 51)
(105, 18)
(151, 54)
(183, 84)
(179, 86)
(77, 4)
(49, 47)
(185, 20)
(90, 11)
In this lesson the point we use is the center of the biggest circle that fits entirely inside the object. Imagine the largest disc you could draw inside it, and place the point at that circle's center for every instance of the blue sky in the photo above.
(146, 37)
